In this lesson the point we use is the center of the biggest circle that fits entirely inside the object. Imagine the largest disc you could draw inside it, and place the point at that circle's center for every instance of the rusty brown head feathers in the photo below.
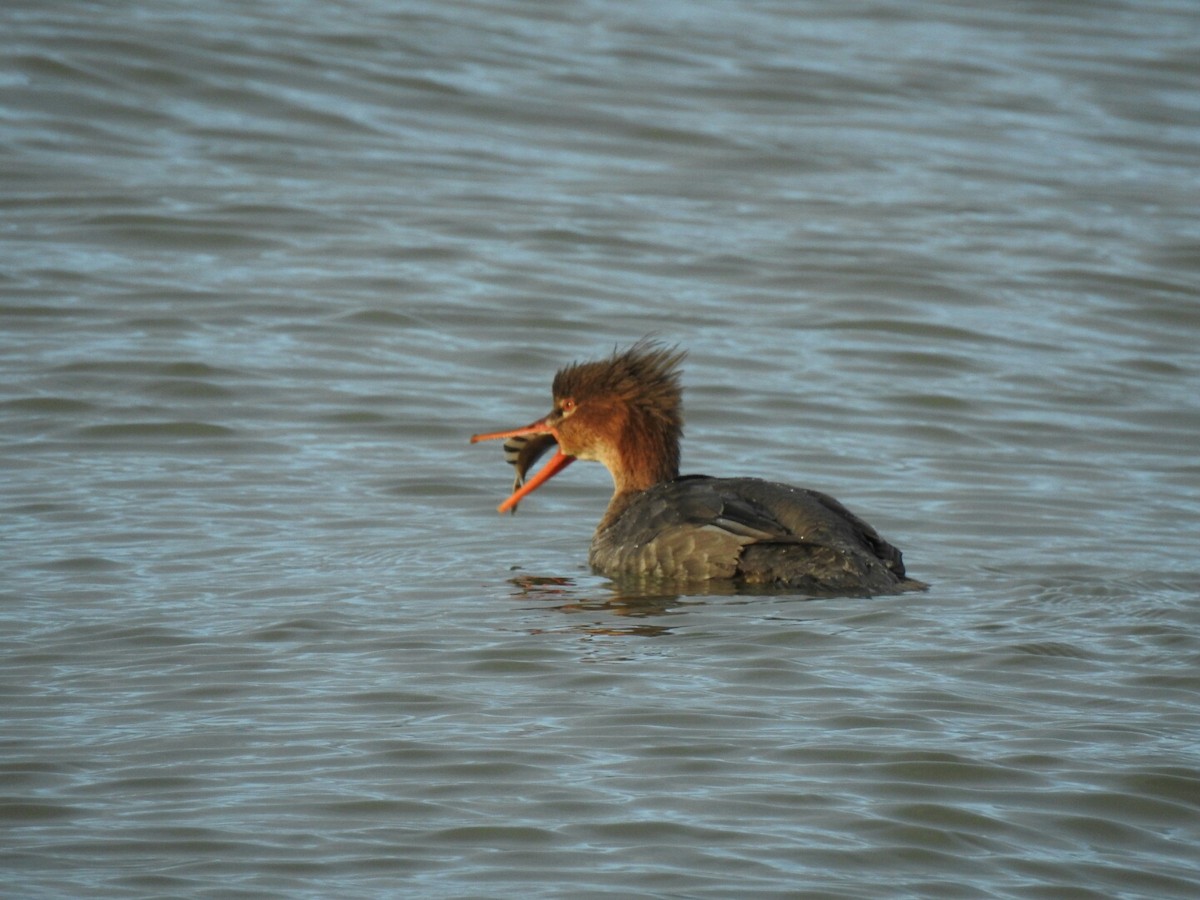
(637, 394)
(625, 412)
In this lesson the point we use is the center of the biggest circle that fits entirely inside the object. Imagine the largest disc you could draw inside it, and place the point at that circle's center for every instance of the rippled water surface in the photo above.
(266, 266)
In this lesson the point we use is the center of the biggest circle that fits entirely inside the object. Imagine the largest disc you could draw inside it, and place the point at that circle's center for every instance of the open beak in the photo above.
(559, 461)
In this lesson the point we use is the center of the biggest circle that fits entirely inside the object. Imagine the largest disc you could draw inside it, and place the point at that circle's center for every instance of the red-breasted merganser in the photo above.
(626, 412)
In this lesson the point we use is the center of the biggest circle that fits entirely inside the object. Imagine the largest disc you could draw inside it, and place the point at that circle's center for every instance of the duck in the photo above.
(626, 413)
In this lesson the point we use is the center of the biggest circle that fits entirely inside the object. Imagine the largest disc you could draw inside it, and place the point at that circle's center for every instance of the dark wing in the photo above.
(823, 546)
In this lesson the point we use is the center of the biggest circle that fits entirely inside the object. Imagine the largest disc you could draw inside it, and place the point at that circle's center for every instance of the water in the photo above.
(265, 269)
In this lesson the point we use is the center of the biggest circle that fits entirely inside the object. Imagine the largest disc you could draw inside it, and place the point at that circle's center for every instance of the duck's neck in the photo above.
(644, 457)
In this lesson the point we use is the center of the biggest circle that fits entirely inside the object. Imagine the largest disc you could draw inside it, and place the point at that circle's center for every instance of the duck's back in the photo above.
(697, 528)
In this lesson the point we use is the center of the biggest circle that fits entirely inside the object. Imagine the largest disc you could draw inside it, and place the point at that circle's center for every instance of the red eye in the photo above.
(567, 405)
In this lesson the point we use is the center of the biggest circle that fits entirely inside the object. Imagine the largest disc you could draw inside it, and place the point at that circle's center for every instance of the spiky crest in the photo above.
(644, 382)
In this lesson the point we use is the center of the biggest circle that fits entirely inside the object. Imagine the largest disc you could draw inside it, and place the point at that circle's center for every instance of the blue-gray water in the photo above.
(265, 267)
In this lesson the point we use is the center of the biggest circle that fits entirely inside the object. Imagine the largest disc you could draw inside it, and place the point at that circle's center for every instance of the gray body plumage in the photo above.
(695, 528)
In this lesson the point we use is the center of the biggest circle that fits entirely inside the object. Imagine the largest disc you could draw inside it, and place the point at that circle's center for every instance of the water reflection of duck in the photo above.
(626, 412)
